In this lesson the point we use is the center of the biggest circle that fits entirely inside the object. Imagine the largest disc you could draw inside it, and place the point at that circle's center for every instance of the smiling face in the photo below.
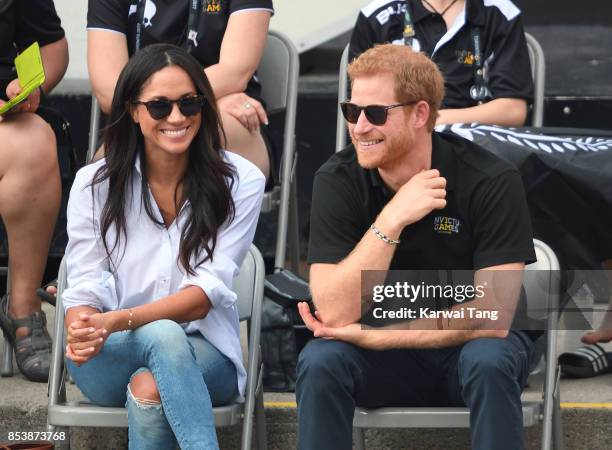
(173, 134)
(380, 146)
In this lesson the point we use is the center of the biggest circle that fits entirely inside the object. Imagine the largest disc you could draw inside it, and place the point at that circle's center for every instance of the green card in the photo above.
(30, 72)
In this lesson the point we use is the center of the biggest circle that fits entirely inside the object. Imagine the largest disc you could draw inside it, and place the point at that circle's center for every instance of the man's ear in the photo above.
(420, 112)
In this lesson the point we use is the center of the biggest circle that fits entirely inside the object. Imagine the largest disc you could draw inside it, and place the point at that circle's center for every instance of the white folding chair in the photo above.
(248, 286)
(541, 282)
(538, 71)
(278, 73)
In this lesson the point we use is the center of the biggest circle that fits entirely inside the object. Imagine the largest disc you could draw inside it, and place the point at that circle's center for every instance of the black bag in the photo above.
(283, 333)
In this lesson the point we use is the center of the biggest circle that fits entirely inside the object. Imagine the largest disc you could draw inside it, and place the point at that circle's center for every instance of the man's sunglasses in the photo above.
(376, 114)
(161, 108)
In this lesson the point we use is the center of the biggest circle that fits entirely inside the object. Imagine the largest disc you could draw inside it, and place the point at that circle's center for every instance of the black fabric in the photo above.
(485, 223)
(166, 21)
(506, 59)
(21, 23)
(567, 174)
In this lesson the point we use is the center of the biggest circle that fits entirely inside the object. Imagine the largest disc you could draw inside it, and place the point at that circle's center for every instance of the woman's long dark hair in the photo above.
(208, 179)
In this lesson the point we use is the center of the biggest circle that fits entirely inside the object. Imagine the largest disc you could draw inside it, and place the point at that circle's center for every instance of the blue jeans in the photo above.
(191, 376)
(487, 375)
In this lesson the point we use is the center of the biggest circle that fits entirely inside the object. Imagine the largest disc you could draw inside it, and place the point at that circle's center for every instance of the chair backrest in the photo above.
(249, 284)
(278, 73)
(538, 72)
(342, 96)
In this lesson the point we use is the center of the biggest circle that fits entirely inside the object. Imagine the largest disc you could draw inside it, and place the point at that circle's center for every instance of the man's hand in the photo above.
(30, 104)
(86, 336)
(353, 333)
(248, 111)
(423, 193)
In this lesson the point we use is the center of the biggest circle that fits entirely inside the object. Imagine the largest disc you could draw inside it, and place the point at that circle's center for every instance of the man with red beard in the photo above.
(405, 197)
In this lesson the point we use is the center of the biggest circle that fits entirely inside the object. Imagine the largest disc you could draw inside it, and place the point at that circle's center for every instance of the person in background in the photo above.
(30, 187)
(227, 38)
(479, 46)
(157, 230)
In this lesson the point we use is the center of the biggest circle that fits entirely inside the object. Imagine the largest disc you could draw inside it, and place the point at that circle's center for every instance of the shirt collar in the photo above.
(137, 164)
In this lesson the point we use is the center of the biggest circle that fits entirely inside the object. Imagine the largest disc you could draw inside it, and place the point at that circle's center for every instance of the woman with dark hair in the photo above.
(157, 230)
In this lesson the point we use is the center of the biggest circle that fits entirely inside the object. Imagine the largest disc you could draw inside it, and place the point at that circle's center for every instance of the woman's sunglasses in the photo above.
(376, 114)
(161, 108)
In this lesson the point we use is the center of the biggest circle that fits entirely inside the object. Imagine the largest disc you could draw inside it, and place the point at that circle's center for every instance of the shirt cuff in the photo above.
(219, 295)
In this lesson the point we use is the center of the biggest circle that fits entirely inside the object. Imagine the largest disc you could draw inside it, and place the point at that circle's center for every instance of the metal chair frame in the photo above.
(546, 411)
(248, 285)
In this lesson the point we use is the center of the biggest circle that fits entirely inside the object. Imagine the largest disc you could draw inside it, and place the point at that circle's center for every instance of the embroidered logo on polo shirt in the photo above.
(446, 225)
(213, 6)
(465, 57)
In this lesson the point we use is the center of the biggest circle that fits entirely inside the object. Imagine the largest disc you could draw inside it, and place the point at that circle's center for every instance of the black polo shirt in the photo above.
(166, 21)
(506, 59)
(485, 222)
(21, 23)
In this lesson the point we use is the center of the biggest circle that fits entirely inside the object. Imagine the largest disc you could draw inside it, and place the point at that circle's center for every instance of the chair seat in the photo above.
(85, 414)
(429, 417)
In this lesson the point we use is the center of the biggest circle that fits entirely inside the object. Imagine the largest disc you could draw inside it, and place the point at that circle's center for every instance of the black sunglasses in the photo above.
(376, 114)
(162, 107)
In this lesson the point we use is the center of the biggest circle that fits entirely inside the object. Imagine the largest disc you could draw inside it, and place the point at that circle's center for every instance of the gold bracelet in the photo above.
(130, 318)
(383, 237)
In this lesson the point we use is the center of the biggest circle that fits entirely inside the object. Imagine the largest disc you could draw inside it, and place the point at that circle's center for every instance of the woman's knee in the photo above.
(143, 389)
(165, 336)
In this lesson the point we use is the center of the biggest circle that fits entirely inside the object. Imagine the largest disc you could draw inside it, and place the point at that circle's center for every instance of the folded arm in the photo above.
(510, 112)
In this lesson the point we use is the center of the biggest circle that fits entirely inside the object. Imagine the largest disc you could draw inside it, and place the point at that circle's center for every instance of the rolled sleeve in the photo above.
(215, 276)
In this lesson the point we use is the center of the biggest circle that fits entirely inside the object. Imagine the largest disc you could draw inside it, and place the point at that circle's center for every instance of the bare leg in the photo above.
(30, 192)
(248, 145)
(604, 333)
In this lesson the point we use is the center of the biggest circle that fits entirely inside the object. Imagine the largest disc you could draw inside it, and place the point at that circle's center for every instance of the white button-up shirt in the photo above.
(146, 268)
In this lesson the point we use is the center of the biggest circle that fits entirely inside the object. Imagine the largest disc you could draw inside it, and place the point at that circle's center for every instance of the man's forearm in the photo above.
(393, 339)
(336, 289)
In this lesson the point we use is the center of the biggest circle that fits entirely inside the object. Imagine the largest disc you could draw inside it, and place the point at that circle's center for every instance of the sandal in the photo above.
(44, 295)
(32, 352)
(585, 362)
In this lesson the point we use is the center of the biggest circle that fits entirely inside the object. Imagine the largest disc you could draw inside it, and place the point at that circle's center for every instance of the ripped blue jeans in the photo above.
(191, 376)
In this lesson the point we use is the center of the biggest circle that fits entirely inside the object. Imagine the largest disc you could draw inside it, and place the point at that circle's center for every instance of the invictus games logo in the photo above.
(213, 6)
(465, 57)
(446, 225)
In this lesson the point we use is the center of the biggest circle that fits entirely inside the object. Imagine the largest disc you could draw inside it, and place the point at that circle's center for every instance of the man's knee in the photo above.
(324, 361)
(488, 359)
(143, 389)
